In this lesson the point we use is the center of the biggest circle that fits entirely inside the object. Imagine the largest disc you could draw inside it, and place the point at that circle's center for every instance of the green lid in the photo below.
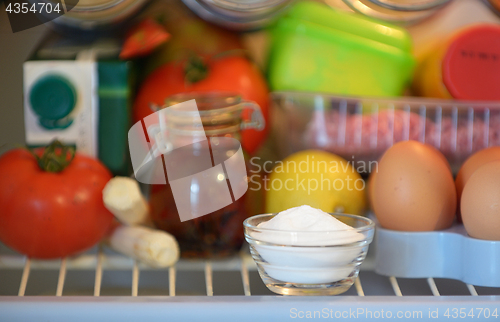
(52, 97)
(353, 24)
(317, 48)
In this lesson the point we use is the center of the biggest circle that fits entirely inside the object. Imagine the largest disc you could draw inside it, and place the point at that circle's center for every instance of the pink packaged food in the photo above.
(361, 129)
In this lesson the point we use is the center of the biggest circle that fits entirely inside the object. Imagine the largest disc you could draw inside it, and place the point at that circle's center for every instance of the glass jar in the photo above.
(93, 17)
(238, 15)
(397, 11)
(219, 233)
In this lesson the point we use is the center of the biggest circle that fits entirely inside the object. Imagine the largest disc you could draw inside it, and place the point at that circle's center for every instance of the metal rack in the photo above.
(253, 301)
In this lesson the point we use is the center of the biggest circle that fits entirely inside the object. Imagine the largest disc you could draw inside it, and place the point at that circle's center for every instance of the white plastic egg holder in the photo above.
(449, 253)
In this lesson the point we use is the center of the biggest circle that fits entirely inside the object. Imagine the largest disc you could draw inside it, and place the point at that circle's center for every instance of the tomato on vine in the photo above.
(51, 201)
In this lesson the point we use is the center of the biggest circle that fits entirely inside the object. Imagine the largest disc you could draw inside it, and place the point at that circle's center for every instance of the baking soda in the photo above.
(314, 227)
(289, 247)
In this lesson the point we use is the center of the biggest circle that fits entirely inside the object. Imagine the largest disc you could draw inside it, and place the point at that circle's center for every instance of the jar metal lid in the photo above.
(396, 11)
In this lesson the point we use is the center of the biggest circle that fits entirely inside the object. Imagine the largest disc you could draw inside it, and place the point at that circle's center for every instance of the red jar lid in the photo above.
(471, 66)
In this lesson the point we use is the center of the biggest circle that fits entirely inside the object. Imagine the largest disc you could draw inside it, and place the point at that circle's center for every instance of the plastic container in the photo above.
(467, 66)
(362, 129)
(317, 48)
(450, 253)
(299, 267)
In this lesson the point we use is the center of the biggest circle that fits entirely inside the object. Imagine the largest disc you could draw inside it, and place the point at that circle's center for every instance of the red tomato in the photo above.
(230, 73)
(50, 215)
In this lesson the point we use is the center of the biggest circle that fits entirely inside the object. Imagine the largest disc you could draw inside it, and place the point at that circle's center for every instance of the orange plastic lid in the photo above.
(471, 66)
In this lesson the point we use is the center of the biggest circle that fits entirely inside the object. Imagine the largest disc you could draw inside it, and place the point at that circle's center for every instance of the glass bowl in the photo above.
(309, 262)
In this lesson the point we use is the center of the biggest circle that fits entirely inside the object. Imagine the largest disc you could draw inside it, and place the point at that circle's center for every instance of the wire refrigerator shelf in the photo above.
(103, 285)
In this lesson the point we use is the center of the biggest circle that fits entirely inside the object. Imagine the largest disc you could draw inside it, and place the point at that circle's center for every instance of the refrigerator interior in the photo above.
(102, 284)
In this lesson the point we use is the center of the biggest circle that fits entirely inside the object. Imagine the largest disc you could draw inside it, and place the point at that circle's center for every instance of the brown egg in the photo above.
(470, 165)
(481, 202)
(414, 189)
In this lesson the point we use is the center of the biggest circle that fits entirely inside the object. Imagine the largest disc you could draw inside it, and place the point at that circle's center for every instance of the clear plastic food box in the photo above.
(362, 129)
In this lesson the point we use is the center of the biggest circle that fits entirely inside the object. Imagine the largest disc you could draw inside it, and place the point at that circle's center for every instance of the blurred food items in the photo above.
(189, 35)
(143, 39)
(226, 73)
(154, 247)
(463, 67)
(480, 203)
(79, 92)
(404, 12)
(122, 196)
(317, 48)
(474, 162)
(51, 201)
(413, 189)
(199, 57)
(316, 178)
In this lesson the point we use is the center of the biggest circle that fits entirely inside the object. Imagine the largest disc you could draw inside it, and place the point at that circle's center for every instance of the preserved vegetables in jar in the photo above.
(220, 232)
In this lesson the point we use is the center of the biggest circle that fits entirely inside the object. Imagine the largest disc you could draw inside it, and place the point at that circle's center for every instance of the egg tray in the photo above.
(449, 253)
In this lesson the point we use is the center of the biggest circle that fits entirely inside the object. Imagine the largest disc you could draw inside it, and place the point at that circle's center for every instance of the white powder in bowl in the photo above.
(306, 220)
(308, 246)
